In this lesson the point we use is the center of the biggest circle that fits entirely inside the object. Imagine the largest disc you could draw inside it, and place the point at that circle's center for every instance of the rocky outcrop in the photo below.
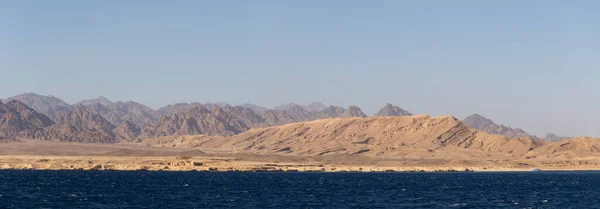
(486, 125)
(392, 110)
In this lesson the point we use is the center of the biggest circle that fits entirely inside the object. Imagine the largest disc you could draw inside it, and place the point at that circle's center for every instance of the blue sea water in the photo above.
(145, 189)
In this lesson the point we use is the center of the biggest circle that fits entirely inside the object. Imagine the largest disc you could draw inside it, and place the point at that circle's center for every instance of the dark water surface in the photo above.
(140, 189)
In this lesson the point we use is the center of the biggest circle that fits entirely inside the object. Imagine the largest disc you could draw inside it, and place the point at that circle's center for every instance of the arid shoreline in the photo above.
(46, 155)
(225, 164)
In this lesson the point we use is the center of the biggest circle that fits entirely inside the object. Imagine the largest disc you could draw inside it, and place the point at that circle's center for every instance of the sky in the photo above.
(528, 64)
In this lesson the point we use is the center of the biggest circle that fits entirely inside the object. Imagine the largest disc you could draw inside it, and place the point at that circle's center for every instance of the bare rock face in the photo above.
(128, 132)
(81, 125)
(118, 112)
(247, 116)
(48, 105)
(255, 108)
(289, 113)
(276, 117)
(198, 120)
(354, 111)
(17, 120)
(105, 112)
(134, 112)
(175, 108)
(298, 113)
(391, 110)
(486, 125)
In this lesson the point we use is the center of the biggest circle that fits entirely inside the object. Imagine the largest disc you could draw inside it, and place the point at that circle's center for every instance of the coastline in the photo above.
(47, 155)
(228, 164)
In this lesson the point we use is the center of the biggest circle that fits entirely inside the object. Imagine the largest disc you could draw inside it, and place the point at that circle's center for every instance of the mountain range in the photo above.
(101, 120)
(484, 124)
(292, 129)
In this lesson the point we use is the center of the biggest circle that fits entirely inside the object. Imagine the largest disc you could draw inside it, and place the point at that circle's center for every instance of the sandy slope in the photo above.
(411, 136)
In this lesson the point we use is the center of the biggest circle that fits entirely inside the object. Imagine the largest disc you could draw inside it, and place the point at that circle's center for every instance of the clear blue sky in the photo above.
(531, 64)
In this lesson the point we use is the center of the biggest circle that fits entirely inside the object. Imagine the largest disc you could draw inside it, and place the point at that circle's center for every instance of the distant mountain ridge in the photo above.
(50, 106)
(101, 120)
(82, 125)
(19, 120)
(486, 125)
(553, 137)
(391, 110)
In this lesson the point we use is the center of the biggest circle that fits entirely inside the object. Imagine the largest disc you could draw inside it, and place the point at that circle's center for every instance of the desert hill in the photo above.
(410, 136)
(575, 148)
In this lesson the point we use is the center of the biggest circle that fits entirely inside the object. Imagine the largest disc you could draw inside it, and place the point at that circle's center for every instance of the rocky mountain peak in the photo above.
(392, 110)
(48, 105)
(354, 111)
(484, 124)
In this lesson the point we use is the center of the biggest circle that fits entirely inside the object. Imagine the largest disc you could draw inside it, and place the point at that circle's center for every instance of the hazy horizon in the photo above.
(531, 65)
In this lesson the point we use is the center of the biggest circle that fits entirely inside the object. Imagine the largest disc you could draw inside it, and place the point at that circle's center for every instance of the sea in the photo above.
(158, 189)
